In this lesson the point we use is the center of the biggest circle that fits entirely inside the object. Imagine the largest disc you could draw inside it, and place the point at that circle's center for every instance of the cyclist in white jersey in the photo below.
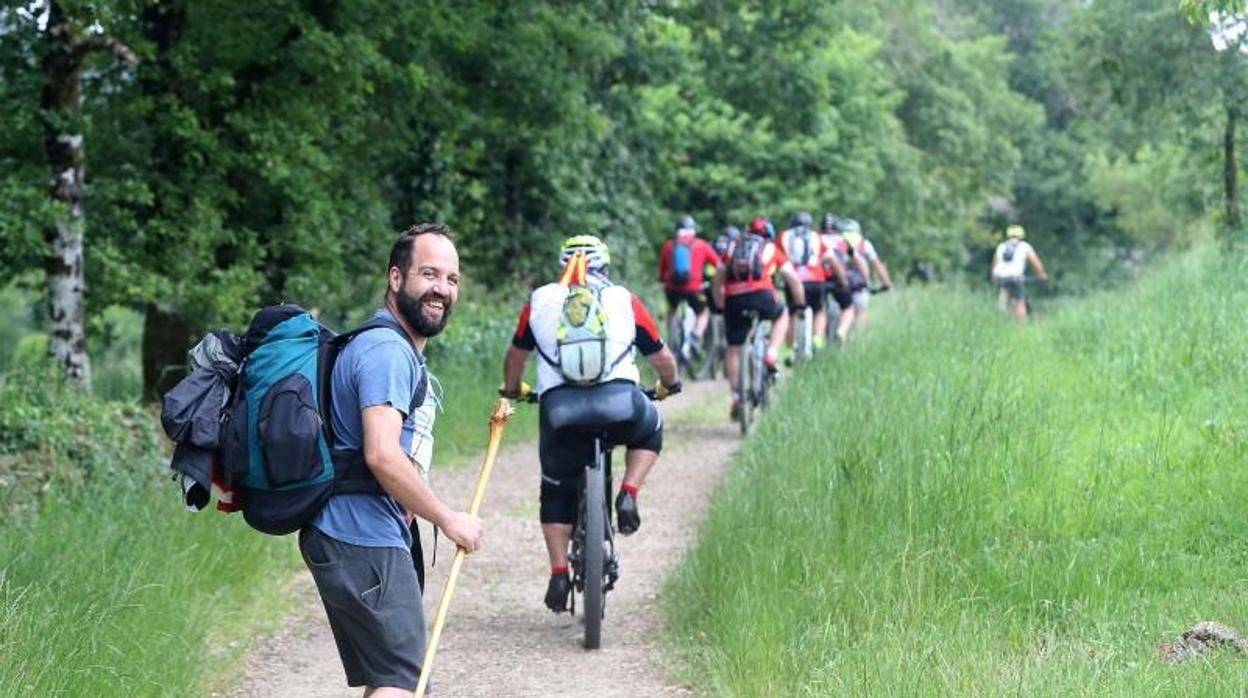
(1009, 268)
(863, 248)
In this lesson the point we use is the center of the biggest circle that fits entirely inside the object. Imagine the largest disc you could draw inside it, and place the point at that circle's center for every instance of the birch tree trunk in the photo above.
(63, 145)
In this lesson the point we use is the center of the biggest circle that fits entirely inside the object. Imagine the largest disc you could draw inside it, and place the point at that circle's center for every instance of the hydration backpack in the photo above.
(800, 246)
(746, 260)
(276, 433)
(682, 262)
(582, 356)
(1007, 255)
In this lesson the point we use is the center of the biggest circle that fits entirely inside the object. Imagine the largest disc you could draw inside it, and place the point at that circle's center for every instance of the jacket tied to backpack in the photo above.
(191, 417)
(274, 441)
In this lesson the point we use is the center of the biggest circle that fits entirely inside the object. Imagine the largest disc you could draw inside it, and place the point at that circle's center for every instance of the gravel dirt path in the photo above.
(499, 639)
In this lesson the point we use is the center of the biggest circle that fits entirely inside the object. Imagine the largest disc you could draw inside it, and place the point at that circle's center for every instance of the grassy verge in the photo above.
(956, 505)
(107, 587)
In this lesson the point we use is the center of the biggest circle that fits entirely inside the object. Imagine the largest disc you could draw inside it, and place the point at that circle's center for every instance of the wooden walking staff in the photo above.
(498, 420)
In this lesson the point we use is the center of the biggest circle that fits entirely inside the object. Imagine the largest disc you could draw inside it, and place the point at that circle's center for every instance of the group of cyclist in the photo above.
(586, 330)
(735, 277)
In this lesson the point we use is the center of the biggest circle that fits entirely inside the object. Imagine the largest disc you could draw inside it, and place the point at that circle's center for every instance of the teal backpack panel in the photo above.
(286, 443)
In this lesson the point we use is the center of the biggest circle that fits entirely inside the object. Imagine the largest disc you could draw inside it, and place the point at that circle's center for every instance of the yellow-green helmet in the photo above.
(597, 256)
(1015, 231)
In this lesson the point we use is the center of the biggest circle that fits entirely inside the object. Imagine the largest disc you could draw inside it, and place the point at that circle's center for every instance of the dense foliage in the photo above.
(267, 154)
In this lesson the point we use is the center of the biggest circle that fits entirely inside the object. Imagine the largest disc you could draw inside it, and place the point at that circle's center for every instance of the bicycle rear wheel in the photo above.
(711, 358)
(759, 375)
(744, 389)
(676, 336)
(594, 498)
(808, 333)
(719, 348)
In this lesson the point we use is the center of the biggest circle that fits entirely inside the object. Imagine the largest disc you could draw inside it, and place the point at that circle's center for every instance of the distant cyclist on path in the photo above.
(861, 247)
(683, 261)
(743, 283)
(1009, 268)
(814, 263)
(588, 381)
(856, 273)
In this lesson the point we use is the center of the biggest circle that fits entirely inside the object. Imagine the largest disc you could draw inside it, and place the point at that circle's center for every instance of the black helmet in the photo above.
(686, 222)
(801, 219)
(831, 222)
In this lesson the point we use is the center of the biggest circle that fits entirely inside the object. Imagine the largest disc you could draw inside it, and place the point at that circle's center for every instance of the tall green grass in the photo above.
(958, 505)
(107, 586)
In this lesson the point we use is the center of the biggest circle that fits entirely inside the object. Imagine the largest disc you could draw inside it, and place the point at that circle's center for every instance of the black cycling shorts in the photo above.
(736, 319)
(814, 295)
(844, 297)
(695, 299)
(568, 418)
(1014, 286)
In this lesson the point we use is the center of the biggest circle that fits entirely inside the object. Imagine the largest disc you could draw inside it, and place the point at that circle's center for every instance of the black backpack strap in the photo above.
(353, 474)
(422, 389)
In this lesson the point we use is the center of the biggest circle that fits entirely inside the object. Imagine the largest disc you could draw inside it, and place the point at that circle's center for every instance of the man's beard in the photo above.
(412, 310)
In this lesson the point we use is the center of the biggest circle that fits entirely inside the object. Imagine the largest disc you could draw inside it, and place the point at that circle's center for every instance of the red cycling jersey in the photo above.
(773, 259)
(812, 271)
(701, 254)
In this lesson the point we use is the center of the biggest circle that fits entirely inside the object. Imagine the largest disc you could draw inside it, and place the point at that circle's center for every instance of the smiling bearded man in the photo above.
(358, 547)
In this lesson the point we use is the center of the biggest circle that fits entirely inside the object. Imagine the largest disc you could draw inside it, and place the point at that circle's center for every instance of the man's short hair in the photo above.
(401, 252)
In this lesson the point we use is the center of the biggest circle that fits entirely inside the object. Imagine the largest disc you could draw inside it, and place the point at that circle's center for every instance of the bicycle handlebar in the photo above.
(531, 398)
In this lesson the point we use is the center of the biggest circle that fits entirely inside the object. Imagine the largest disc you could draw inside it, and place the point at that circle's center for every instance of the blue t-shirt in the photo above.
(377, 367)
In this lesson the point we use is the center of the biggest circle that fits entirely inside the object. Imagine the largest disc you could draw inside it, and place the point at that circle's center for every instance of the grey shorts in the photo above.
(862, 298)
(375, 611)
(1014, 286)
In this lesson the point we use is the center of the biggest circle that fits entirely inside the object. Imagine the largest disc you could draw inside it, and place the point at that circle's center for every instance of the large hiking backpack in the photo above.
(746, 260)
(800, 247)
(276, 433)
(682, 261)
(582, 355)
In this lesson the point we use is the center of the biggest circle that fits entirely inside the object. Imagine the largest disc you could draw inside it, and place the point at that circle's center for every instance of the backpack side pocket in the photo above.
(289, 429)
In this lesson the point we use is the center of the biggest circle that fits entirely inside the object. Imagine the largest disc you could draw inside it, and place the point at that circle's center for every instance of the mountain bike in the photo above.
(753, 379)
(592, 556)
(690, 358)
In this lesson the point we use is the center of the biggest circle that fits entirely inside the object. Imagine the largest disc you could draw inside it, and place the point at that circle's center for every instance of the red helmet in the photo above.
(758, 226)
